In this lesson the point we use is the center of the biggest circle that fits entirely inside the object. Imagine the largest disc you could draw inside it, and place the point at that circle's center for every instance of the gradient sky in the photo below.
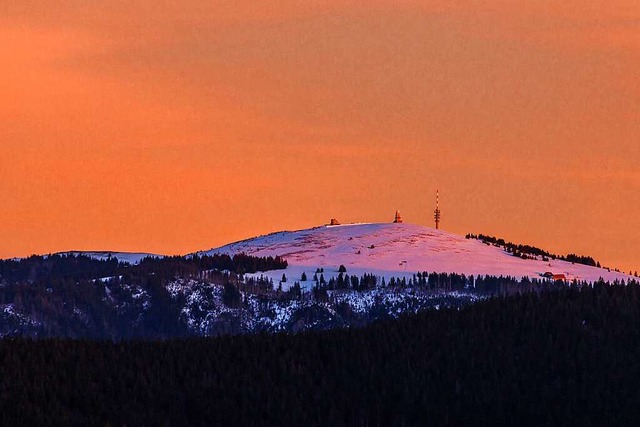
(171, 127)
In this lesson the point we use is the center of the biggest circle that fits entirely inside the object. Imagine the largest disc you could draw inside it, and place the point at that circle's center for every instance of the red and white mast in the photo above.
(436, 213)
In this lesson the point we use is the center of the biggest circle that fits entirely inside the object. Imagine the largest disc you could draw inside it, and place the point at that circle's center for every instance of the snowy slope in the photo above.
(397, 250)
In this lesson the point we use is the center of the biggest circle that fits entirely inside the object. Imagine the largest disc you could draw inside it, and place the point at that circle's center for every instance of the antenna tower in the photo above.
(436, 213)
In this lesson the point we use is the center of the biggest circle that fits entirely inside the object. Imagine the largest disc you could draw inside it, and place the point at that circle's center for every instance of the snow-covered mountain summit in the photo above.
(398, 250)
(385, 250)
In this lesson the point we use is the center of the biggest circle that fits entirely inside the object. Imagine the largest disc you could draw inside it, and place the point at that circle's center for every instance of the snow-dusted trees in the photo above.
(231, 296)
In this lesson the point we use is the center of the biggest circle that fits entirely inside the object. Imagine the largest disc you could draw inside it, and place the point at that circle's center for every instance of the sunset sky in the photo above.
(171, 127)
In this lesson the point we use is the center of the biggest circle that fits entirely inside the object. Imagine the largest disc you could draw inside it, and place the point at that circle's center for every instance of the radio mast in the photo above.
(436, 213)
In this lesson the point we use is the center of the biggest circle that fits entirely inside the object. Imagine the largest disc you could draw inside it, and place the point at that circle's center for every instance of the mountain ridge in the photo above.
(399, 250)
(385, 249)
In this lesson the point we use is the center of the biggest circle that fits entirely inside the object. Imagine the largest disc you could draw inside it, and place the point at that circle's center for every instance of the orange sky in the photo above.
(171, 127)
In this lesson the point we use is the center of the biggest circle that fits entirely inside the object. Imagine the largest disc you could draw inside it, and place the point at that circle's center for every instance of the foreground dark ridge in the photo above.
(568, 357)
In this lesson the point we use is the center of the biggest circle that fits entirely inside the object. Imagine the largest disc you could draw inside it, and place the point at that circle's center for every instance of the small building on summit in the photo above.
(334, 222)
(398, 218)
(555, 276)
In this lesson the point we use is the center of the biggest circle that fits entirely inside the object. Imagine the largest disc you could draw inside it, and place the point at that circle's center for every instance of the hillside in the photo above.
(257, 285)
(563, 358)
(398, 250)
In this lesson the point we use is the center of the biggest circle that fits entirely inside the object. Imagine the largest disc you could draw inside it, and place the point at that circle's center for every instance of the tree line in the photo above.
(528, 251)
(78, 267)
